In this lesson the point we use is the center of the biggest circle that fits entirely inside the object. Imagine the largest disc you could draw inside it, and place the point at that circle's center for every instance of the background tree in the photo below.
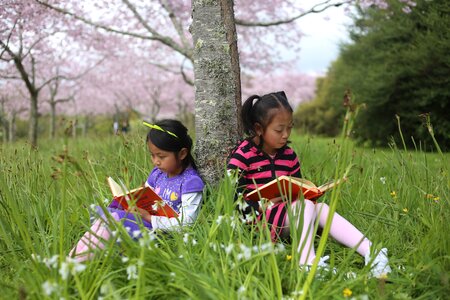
(397, 64)
(159, 33)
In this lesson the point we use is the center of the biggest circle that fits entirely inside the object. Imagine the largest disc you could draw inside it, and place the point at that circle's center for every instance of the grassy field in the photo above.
(399, 199)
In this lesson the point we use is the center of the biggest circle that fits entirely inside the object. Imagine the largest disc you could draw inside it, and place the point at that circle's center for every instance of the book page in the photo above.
(302, 181)
(326, 186)
(116, 189)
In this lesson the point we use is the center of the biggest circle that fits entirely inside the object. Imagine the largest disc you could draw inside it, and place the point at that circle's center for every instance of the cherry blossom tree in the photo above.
(159, 32)
(13, 103)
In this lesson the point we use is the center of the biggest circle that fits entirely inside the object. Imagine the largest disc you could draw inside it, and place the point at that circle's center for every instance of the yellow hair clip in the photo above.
(153, 126)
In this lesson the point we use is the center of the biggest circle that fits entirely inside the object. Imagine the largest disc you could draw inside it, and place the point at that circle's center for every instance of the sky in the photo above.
(323, 33)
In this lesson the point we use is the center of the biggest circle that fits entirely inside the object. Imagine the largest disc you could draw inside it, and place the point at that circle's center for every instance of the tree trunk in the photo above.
(74, 128)
(33, 126)
(85, 125)
(217, 85)
(5, 130)
(53, 119)
(12, 128)
(3, 123)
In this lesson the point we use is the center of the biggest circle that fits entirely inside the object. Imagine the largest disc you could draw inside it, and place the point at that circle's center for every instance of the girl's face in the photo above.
(277, 132)
(167, 161)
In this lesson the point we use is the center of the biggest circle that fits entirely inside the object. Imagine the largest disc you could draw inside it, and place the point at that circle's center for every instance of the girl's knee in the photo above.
(322, 210)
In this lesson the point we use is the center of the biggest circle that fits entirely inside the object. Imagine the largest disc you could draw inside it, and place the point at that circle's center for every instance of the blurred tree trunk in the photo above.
(217, 85)
(52, 120)
(33, 126)
(12, 127)
(3, 122)
(74, 127)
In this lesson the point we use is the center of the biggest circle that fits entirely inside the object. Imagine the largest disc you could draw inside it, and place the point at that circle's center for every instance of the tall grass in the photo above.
(399, 199)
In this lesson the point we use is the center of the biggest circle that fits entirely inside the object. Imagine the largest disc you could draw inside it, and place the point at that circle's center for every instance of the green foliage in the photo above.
(398, 64)
(322, 115)
(46, 195)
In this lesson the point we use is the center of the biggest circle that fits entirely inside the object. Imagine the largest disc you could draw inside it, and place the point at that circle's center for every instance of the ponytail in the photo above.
(247, 116)
(258, 111)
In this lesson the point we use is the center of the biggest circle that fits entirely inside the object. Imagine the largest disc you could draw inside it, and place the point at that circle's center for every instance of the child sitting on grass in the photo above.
(174, 178)
(264, 156)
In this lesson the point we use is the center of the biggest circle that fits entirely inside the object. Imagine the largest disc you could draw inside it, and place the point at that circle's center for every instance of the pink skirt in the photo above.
(275, 218)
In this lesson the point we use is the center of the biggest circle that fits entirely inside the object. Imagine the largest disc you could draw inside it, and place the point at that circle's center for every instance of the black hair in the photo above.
(256, 110)
(167, 142)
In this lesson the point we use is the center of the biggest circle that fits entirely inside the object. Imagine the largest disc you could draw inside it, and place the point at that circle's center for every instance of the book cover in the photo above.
(143, 197)
(290, 187)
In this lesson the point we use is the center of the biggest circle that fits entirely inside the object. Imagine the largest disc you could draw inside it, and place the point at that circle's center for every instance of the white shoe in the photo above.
(379, 265)
(322, 266)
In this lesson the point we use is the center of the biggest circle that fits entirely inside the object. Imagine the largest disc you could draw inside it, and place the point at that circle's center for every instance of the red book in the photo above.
(290, 187)
(143, 197)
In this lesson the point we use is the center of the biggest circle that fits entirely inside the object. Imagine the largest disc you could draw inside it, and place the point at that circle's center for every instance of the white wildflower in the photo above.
(213, 246)
(350, 275)
(78, 268)
(132, 272)
(279, 248)
(229, 248)
(297, 293)
(234, 222)
(407, 9)
(242, 204)
(136, 233)
(219, 219)
(92, 206)
(267, 247)
(51, 262)
(383, 180)
(36, 257)
(143, 242)
(49, 287)
(186, 238)
(246, 253)
(241, 289)
(64, 270)
(249, 218)
(125, 259)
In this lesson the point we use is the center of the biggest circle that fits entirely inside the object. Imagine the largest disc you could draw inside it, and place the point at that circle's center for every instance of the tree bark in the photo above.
(12, 128)
(217, 85)
(52, 120)
(33, 126)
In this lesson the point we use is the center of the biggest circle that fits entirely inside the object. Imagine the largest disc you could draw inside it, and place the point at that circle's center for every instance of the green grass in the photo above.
(46, 195)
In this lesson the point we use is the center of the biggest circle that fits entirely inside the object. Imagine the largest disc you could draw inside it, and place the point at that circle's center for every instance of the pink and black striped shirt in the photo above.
(255, 166)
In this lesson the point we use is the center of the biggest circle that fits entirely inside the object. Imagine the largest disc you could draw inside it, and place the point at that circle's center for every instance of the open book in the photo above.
(143, 197)
(290, 187)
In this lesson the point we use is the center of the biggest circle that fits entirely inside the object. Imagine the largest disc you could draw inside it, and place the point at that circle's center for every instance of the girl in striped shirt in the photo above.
(264, 156)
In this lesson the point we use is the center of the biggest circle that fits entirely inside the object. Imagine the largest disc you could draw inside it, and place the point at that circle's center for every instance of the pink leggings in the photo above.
(91, 240)
(341, 230)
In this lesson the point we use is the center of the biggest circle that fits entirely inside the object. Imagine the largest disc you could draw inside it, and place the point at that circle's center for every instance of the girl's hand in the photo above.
(276, 200)
(144, 214)
(266, 203)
